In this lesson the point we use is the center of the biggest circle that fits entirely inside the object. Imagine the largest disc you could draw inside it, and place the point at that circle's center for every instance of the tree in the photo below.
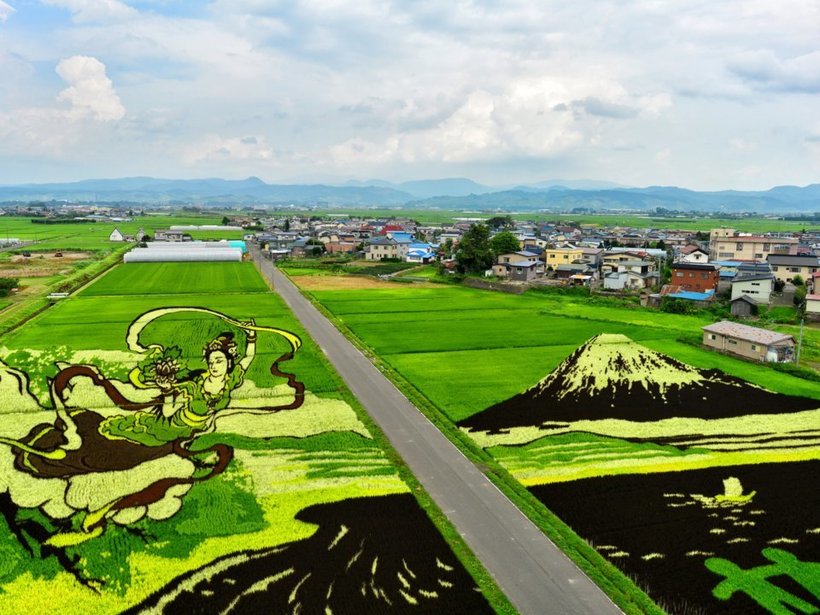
(504, 243)
(6, 284)
(226, 221)
(799, 296)
(286, 225)
(798, 280)
(474, 253)
(497, 222)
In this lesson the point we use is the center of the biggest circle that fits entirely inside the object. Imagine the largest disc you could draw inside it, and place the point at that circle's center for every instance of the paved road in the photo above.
(534, 574)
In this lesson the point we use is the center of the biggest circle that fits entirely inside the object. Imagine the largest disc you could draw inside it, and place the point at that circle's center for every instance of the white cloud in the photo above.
(48, 130)
(214, 149)
(402, 88)
(542, 117)
(5, 11)
(742, 145)
(764, 69)
(90, 91)
(83, 11)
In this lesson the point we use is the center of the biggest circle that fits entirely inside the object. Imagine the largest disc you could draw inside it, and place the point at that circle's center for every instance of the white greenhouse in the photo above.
(184, 252)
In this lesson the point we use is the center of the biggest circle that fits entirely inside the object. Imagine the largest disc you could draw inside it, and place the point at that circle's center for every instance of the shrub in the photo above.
(6, 284)
(677, 306)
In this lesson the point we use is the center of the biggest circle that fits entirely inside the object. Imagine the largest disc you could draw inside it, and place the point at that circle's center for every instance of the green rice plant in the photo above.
(178, 278)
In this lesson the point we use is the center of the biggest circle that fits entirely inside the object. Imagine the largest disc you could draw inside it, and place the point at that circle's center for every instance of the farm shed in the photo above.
(749, 342)
(744, 305)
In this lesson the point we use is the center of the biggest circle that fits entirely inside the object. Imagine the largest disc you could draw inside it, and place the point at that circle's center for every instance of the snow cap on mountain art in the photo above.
(612, 377)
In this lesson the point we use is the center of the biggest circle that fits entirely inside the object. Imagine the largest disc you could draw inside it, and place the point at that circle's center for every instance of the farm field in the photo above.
(43, 273)
(94, 236)
(178, 278)
(751, 224)
(194, 451)
(623, 431)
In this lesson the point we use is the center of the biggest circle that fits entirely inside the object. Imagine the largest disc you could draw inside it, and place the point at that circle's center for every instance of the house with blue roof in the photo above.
(420, 252)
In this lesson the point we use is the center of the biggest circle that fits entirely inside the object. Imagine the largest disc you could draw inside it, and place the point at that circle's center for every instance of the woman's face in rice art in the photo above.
(218, 364)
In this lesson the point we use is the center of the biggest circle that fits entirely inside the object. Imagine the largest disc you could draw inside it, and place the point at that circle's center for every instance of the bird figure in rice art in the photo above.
(120, 451)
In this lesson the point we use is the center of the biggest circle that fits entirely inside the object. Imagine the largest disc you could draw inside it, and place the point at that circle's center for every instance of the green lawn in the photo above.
(178, 278)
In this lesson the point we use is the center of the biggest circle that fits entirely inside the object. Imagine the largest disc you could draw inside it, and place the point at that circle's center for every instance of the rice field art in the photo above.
(173, 475)
(702, 488)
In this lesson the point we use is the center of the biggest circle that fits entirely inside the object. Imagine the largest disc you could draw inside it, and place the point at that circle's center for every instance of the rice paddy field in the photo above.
(172, 442)
(178, 278)
(750, 224)
(693, 473)
(447, 340)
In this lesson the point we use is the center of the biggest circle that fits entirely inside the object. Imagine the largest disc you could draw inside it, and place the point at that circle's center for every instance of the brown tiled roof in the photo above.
(745, 332)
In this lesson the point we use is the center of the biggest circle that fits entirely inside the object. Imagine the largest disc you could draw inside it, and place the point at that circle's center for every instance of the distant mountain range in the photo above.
(451, 194)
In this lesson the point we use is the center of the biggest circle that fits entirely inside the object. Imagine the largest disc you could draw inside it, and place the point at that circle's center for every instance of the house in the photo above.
(702, 299)
(420, 253)
(813, 307)
(749, 342)
(729, 244)
(340, 247)
(522, 271)
(562, 256)
(786, 267)
(695, 277)
(522, 255)
(116, 236)
(592, 256)
(299, 248)
(611, 260)
(521, 266)
(758, 287)
(568, 272)
(625, 279)
(170, 235)
(381, 248)
(692, 254)
(640, 269)
(813, 283)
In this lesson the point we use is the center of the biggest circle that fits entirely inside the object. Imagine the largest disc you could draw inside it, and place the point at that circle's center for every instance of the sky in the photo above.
(703, 95)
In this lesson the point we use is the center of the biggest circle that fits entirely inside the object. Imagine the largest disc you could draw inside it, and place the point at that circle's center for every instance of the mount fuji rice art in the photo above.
(701, 487)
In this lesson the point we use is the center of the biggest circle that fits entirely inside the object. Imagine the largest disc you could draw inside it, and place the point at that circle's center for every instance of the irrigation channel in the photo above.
(534, 574)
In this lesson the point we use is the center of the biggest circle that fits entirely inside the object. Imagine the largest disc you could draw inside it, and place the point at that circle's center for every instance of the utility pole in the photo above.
(799, 343)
